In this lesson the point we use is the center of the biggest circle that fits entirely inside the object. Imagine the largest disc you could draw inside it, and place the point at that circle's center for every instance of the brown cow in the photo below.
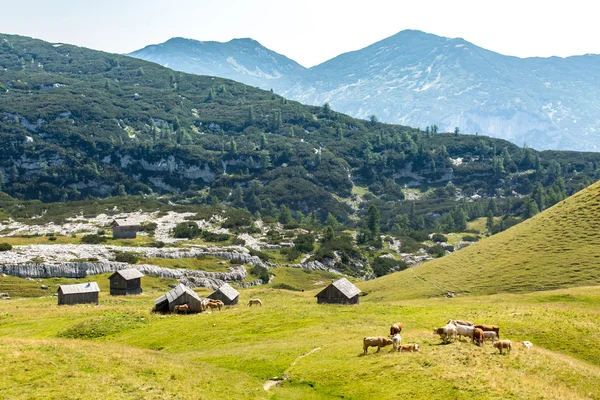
(184, 308)
(477, 336)
(375, 341)
(396, 328)
(461, 322)
(494, 328)
(503, 344)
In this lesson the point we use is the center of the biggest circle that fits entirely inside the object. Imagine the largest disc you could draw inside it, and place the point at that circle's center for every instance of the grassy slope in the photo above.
(557, 248)
(234, 352)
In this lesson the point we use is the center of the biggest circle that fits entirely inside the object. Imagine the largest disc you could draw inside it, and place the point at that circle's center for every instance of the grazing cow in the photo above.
(463, 330)
(396, 340)
(494, 328)
(527, 344)
(254, 302)
(446, 333)
(489, 335)
(375, 341)
(503, 344)
(182, 309)
(44, 287)
(409, 347)
(461, 322)
(477, 336)
(213, 305)
(396, 328)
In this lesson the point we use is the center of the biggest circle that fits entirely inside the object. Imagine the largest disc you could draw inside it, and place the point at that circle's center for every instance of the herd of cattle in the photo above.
(454, 328)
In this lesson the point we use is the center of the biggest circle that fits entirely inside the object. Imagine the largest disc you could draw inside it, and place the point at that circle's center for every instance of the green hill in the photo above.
(557, 248)
(78, 123)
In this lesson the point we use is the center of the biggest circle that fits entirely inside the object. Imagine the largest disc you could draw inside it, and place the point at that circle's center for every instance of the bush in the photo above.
(215, 237)
(93, 239)
(129, 258)
(383, 265)
(186, 230)
(52, 238)
(438, 250)
(5, 247)
(438, 237)
(470, 238)
(157, 244)
(292, 253)
(260, 254)
(101, 232)
(305, 243)
(148, 226)
(261, 273)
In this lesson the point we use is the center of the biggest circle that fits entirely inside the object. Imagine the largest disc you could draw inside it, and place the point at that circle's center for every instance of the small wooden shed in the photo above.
(341, 291)
(82, 293)
(126, 282)
(125, 228)
(228, 295)
(178, 296)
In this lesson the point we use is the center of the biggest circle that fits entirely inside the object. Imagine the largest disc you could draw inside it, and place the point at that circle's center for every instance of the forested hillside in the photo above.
(77, 123)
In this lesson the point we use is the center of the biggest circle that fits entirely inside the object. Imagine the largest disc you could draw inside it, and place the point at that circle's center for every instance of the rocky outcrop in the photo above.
(82, 269)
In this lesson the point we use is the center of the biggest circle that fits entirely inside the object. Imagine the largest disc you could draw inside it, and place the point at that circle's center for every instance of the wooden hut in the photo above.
(178, 296)
(125, 228)
(81, 293)
(126, 282)
(228, 295)
(341, 291)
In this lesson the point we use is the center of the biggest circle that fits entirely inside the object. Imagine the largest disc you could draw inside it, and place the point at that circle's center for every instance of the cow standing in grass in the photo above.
(375, 341)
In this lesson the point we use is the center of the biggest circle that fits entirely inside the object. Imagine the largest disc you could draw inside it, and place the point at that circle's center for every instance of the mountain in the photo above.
(242, 60)
(419, 79)
(77, 124)
(555, 249)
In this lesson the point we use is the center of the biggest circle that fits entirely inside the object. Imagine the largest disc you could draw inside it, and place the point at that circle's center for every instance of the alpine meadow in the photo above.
(205, 235)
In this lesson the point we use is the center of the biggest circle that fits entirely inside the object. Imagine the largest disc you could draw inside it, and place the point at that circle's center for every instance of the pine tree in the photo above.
(285, 216)
(331, 221)
(537, 194)
(263, 141)
(232, 146)
(329, 234)
(490, 221)
(529, 207)
(373, 221)
(250, 116)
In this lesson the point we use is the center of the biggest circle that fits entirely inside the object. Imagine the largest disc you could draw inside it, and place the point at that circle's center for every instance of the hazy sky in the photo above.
(310, 31)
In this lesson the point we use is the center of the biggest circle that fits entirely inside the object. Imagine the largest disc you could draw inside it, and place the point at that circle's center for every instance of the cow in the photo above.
(461, 322)
(489, 335)
(527, 344)
(255, 302)
(395, 328)
(477, 336)
(409, 347)
(494, 328)
(503, 344)
(463, 330)
(446, 333)
(183, 309)
(396, 340)
(375, 341)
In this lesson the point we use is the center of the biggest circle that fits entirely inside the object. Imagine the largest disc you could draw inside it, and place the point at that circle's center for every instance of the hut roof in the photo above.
(345, 286)
(128, 274)
(125, 222)
(89, 287)
(228, 291)
(175, 293)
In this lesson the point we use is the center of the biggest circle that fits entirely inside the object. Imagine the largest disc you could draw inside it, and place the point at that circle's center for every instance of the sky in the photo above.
(310, 31)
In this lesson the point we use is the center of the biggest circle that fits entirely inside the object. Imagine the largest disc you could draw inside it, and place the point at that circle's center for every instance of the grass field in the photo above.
(121, 350)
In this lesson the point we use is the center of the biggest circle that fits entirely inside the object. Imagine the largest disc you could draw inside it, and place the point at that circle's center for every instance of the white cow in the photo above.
(463, 330)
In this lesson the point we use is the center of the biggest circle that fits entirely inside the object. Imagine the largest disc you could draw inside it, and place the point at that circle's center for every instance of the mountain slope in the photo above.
(419, 79)
(242, 60)
(557, 248)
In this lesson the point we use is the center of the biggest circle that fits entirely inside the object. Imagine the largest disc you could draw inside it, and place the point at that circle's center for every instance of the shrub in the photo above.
(52, 238)
(305, 243)
(157, 244)
(292, 253)
(260, 254)
(126, 257)
(383, 265)
(261, 273)
(470, 238)
(215, 237)
(186, 230)
(101, 232)
(148, 226)
(93, 239)
(438, 237)
(5, 247)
